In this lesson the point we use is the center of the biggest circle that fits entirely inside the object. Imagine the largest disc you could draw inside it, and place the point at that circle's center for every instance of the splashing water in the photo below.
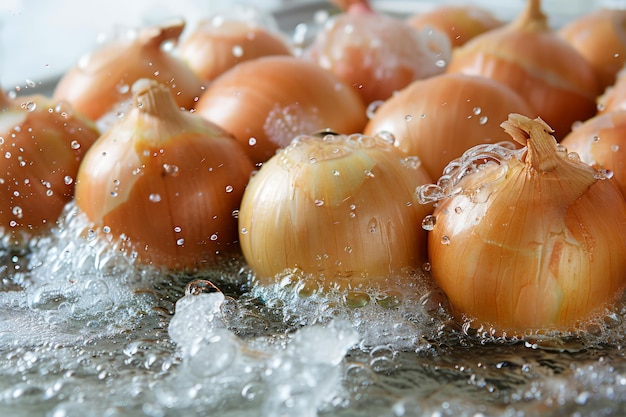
(87, 331)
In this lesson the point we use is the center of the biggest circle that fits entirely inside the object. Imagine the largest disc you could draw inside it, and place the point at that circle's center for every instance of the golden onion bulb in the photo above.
(600, 36)
(459, 22)
(42, 144)
(614, 97)
(440, 117)
(526, 239)
(100, 83)
(167, 180)
(601, 142)
(266, 102)
(341, 208)
(220, 43)
(530, 57)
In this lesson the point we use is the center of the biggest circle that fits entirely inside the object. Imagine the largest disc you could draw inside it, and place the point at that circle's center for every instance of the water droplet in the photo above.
(7, 155)
(335, 173)
(603, 174)
(426, 267)
(347, 249)
(458, 210)
(429, 222)
(123, 88)
(91, 234)
(445, 240)
(483, 120)
(244, 231)
(49, 193)
(319, 203)
(29, 106)
(113, 194)
(615, 147)
(372, 107)
(440, 63)
(252, 141)
(106, 229)
(68, 180)
(408, 118)
(229, 188)
(170, 169)
(75, 144)
(17, 212)
(213, 237)
(372, 226)
(154, 197)
(477, 110)
(237, 51)
(235, 214)
(596, 138)
(177, 229)
(180, 242)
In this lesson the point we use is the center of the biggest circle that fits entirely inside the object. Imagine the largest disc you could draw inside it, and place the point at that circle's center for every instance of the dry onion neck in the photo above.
(532, 18)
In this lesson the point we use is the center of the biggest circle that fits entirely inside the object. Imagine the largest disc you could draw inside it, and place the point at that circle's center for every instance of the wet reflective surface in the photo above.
(88, 332)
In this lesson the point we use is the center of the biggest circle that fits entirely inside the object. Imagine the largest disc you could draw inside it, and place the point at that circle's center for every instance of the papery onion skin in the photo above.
(94, 87)
(42, 145)
(216, 47)
(340, 208)
(601, 142)
(460, 22)
(268, 101)
(169, 181)
(600, 36)
(376, 54)
(554, 78)
(530, 243)
(440, 117)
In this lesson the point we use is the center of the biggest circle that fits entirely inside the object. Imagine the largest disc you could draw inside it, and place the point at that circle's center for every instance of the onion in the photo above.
(554, 78)
(101, 81)
(601, 142)
(377, 54)
(441, 117)
(268, 101)
(167, 181)
(460, 22)
(340, 208)
(221, 42)
(600, 36)
(614, 97)
(526, 240)
(42, 144)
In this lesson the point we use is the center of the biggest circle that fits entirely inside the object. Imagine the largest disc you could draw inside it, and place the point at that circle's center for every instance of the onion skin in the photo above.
(531, 243)
(600, 36)
(161, 175)
(341, 208)
(377, 54)
(440, 117)
(614, 97)
(554, 78)
(601, 142)
(212, 48)
(274, 99)
(460, 22)
(42, 146)
(96, 86)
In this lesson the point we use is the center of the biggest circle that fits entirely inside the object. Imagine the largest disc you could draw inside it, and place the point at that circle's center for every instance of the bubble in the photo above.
(170, 169)
(429, 222)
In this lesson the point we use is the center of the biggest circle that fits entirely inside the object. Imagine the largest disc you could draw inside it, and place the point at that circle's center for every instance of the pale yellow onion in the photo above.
(601, 142)
(527, 240)
(440, 117)
(101, 81)
(42, 144)
(340, 208)
(614, 97)
(167, 180)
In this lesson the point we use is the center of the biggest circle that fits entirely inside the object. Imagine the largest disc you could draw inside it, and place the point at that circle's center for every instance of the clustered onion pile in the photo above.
(441, 142)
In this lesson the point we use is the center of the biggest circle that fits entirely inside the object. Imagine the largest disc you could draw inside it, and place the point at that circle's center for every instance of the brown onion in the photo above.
(220, 43)
(42, 144)
(377, 54)
(165, 183)
(441, 117)
(460, 22)
(600, 36)
(268, 101)
(601, 142)
(103, 79)
(554, 78)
